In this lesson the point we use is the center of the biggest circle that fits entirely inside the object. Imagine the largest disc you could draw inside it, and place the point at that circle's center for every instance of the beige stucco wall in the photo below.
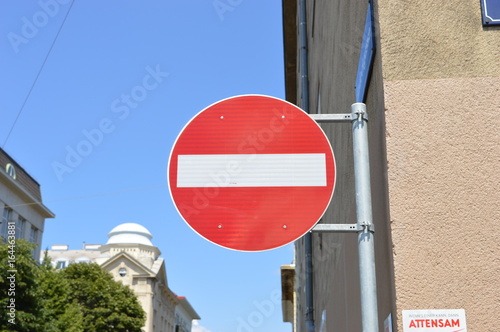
(441, 74)
(443, 155)
(436, 39)
(434, 157)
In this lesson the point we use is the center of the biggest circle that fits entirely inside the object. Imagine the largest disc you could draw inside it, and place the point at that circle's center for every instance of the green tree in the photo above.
(80, 298)
(19, 274)
(58, 312)
(105, 304)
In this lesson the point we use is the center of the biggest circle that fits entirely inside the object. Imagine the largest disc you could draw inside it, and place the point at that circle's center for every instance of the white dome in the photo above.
(130, 233)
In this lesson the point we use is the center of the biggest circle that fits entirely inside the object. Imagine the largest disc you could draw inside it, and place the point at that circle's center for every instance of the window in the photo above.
(122, 272)
(82, 260)
(61, 264)
(34, 239)
(9, 169)
(7, 215)
(34, 234)
(20, 227)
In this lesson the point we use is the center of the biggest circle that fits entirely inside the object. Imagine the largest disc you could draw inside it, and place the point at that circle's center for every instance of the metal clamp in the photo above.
(343, 228)
(337, 228)
(361, 116)
(367, 227)
(328, 118)
(333, 117)
(359, 111)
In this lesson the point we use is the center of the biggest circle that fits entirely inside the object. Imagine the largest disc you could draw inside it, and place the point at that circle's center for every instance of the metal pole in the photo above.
(304, 61)
(366, 251)
(304, 80)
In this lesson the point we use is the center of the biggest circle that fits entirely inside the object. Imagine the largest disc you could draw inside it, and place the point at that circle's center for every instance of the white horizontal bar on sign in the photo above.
(252, 170)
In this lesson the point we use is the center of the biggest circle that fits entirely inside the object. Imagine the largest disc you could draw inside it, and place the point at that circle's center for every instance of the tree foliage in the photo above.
(106, 304)
(80, 298)
(18, 287)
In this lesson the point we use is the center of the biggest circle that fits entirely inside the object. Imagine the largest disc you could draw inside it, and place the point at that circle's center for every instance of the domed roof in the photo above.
(130, 233)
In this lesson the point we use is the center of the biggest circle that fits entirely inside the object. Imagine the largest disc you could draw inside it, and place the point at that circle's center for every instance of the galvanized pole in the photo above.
(366, 250)
(304, 104)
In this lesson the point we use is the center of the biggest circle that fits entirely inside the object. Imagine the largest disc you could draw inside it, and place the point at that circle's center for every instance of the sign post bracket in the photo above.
(343, 228)
(329, 118)
(364, 226)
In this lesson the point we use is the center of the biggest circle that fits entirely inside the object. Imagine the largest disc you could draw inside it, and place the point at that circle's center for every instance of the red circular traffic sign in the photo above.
(251, 173)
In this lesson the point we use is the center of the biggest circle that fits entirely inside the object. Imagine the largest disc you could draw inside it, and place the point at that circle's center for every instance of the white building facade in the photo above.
(132, 259)
(22, 212)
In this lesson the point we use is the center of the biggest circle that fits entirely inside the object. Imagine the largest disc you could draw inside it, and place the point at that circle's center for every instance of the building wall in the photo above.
(150, 292)
(441, 74)
(184, 317)
(22, 177)
(22, 208)
(335, 30)
(435, 39)
(443, 180)
(433, 135)
(139, 267)
(21, 197)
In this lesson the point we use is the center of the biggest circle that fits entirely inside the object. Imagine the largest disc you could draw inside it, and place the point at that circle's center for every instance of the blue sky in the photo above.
(93, 115)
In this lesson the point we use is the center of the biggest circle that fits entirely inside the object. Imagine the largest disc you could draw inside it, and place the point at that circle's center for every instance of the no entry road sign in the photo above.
(251, 173)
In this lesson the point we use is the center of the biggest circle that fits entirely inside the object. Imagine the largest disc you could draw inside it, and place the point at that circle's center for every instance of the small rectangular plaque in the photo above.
(490, 10)
(447, 320)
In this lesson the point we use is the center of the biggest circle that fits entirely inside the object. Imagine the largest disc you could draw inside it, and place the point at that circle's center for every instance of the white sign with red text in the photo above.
(448, 320)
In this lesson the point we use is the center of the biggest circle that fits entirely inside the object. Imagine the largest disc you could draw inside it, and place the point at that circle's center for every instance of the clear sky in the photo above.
(115, 82)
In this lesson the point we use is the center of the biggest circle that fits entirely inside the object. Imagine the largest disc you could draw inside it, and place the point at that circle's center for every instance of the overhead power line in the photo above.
(37, 76)
(92, 195)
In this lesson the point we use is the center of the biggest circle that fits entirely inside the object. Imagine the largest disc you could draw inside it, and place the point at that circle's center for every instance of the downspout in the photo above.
(304, 80)
(304, 62)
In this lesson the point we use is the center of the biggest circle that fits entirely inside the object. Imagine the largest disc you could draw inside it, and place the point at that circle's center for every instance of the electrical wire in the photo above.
(37, 75)
(91, 195)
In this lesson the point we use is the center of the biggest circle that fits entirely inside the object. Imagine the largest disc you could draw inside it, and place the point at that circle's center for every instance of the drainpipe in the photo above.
(304, 79)
(304, 62)
(309, 283)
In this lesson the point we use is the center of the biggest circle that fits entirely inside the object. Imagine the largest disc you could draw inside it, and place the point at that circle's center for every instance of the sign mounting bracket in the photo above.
(364, 226)
(326, 118)
(343, 228)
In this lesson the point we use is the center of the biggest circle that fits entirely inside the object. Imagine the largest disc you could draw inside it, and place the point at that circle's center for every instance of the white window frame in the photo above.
(6, 218)
(20, 226)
